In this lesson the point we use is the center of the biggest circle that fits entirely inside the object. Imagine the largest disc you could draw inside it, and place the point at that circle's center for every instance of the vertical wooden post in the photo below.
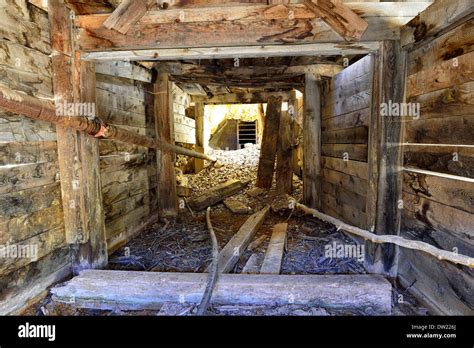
(78, 154)
(167, 200)
(199, 118)
(312, 142)
(391, 86)
(284, 167)
(293, 107)
(266, 164)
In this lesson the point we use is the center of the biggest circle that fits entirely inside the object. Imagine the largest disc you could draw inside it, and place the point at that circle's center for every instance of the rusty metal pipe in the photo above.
(45, 111)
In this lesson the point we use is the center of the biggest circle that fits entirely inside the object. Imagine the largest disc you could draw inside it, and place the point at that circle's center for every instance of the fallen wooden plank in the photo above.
(149, 290)
(237, 207)
(252, 266)
(274, 254)
(216, 194)
(231, 253)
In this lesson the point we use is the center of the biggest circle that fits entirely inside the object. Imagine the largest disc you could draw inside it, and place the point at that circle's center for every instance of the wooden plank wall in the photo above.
(438, 185)
(30, 195)
(184, 127)
(128, 172)
(346, 109)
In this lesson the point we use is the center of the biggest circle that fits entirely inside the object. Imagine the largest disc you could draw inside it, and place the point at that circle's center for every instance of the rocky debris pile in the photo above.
(235, 165)
(248, 156)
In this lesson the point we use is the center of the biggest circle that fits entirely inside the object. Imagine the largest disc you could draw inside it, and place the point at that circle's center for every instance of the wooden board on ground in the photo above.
(216, 194)
(274, 254)
(149, 290)
(231, 253)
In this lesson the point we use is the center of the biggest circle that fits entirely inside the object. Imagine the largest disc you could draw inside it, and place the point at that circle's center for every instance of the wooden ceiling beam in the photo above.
(127, 14)
(261, 51)
(247, 72)
(241, 26)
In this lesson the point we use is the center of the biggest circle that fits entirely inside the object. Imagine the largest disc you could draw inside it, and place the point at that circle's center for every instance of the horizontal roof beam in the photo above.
(260, 51)
(233, 26)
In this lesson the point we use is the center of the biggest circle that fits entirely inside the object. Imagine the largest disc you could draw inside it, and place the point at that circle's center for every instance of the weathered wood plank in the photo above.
(78, 154)
(25, 202)
(92, 289)
(354, 152)
(455, 101)
(125, 69)
(349, 120)
(34, 249)
(274, 253)
(454, 43)
(358, 135)
(27, 283)
(456, 160)
(439, 216)
(13, 153)
(456, 192)
(22, 177)
(284, 158)
(92, 36)
(199, 134)
(344, 196)
(351, 183)
(451, 130)
(347, 212)
(446, 291)
(127, 14)
(216, 194)
(17, 229)
(298, 50)
(167, 204)
(442, 75)
(433, 20)
(354, 168)
(266, 164)
(231, 253)
(312, 149)
(391, 88)
(340, 18)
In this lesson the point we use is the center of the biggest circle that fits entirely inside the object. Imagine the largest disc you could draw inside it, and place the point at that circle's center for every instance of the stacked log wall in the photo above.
(30, 196)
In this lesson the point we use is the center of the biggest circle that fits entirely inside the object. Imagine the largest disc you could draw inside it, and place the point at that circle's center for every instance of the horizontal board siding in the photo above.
(345, 133)
(128, 171)
(438, 186)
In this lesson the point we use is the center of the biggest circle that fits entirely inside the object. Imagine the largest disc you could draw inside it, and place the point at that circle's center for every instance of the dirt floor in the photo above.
(183, 244)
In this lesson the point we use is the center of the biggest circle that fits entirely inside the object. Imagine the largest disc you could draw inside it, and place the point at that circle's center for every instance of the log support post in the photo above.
(266, 164)
(199, 118)
(312, 142)
(284, 167)
(78, 153)
(167, 199)
(389, 87)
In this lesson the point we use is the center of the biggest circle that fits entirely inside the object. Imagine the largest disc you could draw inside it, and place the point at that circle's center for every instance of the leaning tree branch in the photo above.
(381, 239)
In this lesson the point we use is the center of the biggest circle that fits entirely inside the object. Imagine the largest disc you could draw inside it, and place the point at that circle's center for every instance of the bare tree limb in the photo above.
(381, 239)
